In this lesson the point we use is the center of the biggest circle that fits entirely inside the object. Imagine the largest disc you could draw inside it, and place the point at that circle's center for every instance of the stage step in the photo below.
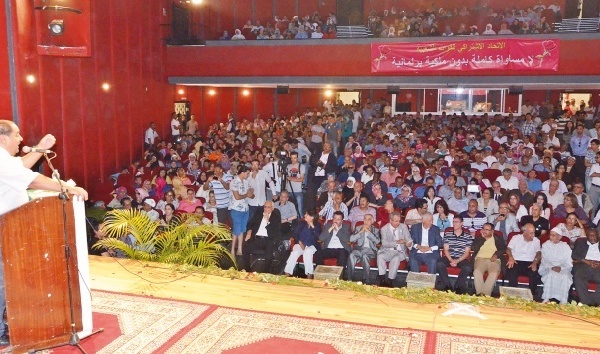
(353, 32)
(577, 25)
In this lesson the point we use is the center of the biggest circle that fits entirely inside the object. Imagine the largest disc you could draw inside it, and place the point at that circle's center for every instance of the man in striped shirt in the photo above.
(219, 183)
(457, 246)
(473, 218)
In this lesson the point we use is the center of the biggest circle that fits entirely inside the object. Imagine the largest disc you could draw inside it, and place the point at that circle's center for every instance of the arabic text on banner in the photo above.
(466, 55)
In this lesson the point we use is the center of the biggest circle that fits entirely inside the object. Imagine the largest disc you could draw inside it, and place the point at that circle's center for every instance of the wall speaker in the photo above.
(283, 90)
(393, 90)
(515, 90)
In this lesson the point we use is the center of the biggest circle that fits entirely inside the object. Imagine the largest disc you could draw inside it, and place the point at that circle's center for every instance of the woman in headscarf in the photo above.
(405, 199)
(555, 268)
(415, 177)
(358, 155)
(140, 195)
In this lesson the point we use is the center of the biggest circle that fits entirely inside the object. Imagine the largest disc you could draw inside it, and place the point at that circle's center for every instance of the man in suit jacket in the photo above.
(504, 221)
(335, 238)
(586, 259)
(425, 250)
(395, 242)
(264, 229)
(366, 237)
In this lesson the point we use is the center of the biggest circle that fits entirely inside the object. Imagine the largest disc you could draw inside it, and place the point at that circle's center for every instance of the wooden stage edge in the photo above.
(131, 277)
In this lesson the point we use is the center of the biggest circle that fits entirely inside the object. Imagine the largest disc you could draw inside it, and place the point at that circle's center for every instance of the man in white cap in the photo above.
(148, 208)
(555, 268)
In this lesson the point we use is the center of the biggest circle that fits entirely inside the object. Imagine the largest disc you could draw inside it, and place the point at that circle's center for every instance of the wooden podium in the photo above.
(35, 273)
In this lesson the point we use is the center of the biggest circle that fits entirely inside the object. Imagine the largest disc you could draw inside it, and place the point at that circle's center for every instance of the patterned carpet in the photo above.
(447, 343)
(135, 324)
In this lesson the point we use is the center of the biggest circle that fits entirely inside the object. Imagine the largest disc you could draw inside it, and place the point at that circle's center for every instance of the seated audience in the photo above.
(586, 267)
(395, 242)
(524, 255)
(307, 236)
(570, 205)
(442, 217)
(335, 239)
(486, 204)
(189, 204)
(405, 199)
(541, 224)
(264, 229)
(426, 245)
(488, 253)
(359, 212)
(472, 218)
(456, 252)
(366, 238)
(504, 221)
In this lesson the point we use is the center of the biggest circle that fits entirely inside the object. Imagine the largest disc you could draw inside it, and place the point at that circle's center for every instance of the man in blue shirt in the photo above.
(579, 146)
(333, 133)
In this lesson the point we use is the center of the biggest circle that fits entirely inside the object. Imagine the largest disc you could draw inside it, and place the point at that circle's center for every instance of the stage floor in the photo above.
(132, 277)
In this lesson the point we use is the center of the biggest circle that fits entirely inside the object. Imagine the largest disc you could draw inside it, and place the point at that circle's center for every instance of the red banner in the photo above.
(485, 54)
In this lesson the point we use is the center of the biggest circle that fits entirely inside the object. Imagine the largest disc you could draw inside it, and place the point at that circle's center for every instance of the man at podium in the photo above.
(16, 177)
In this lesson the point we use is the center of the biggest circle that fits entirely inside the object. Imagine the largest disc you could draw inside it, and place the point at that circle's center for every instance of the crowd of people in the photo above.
(481, 19)
(307, 27)
(499, 195)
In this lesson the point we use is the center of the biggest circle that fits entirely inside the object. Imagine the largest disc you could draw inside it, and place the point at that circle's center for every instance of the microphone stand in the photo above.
(63, 195)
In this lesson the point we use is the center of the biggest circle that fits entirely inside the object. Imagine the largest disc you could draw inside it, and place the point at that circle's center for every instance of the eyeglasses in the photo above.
(484, 229)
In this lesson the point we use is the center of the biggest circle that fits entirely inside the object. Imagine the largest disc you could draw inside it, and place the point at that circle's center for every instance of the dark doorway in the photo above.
(350, 12)
(589, 8)
(180, 25)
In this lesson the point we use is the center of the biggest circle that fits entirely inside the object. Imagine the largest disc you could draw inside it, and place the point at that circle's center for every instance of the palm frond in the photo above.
(184, 241)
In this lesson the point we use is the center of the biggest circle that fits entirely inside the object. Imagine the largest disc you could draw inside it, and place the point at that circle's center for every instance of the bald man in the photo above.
(15, 177)
(524, 255)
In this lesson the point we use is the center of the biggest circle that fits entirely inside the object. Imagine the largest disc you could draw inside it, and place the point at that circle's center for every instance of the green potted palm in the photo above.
(183, 241)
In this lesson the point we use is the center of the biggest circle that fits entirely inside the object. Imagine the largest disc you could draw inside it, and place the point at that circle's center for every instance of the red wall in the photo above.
(97, 132)
(342, 60)
(5, 100)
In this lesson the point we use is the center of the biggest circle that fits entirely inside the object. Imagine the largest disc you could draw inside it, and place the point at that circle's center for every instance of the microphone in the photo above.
(28, 149)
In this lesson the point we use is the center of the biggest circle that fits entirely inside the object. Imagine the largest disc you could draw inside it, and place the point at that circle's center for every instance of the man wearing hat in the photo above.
(148, 208)
(555, 268)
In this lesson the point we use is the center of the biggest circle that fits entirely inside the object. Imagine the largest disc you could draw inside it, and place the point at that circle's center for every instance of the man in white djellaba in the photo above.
(556, 267)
